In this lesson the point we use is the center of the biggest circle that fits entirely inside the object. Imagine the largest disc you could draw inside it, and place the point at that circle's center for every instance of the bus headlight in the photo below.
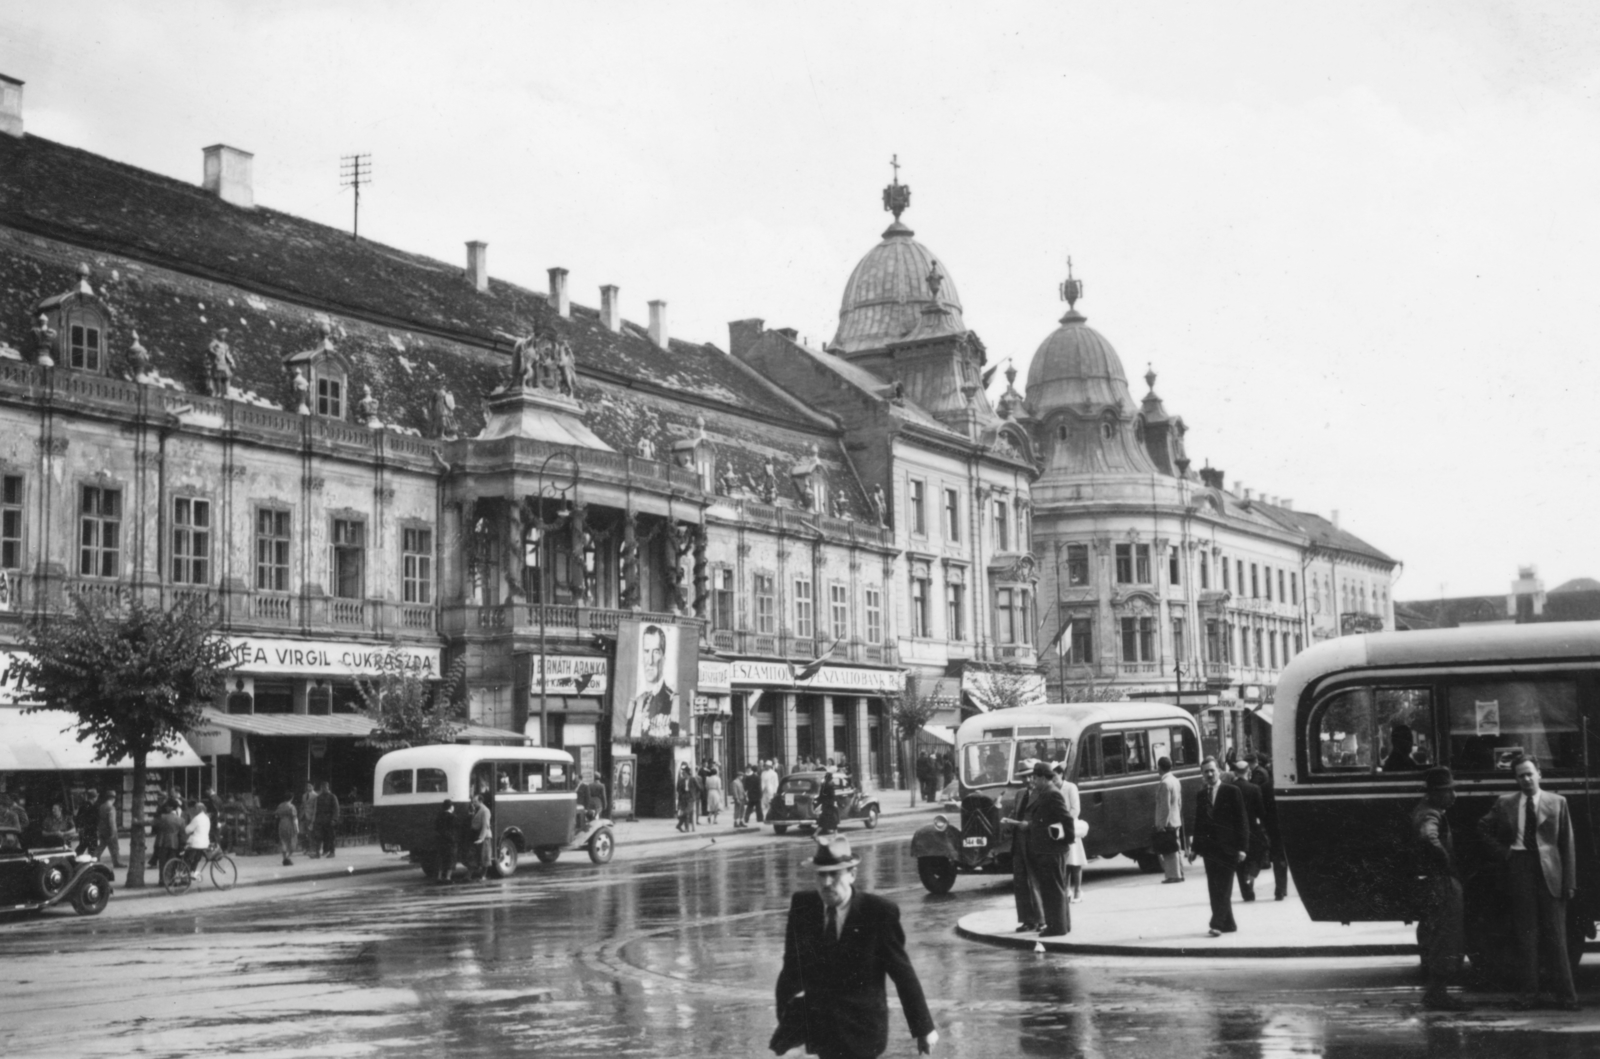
(940, 824)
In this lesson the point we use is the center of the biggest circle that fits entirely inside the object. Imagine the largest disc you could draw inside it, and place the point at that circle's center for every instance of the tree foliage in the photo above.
(1006, 686)
(909, 710)
(411, 710)
(135, 676)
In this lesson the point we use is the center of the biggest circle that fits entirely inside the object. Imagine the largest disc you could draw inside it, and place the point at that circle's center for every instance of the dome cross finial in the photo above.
(1150, 376)
(897, 196)
(1071, 289)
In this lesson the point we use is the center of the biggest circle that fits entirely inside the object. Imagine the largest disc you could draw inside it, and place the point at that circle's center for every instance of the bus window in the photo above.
(1111, 758)
(1051, 750)
(1089, 758)
(397, 782)
(1160, 743)
(1184, 750)
(508, 776)
(1137, 751)
(432, 781)
(556, 775)
(1493, 721)
(1374, 730)
(482, 778)
(532, 777)
(985, 764)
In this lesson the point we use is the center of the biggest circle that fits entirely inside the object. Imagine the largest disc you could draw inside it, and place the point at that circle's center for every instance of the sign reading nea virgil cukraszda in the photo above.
(656, 671)
(330, 658)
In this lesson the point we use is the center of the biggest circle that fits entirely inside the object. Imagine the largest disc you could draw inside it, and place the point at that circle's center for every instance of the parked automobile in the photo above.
(797, 803)
(39, 871)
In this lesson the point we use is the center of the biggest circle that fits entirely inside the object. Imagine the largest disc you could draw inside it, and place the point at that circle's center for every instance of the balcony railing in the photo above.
(277, 609)
(347, 611)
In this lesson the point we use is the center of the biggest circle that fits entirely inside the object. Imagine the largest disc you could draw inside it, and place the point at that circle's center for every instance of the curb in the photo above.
(1255, 952)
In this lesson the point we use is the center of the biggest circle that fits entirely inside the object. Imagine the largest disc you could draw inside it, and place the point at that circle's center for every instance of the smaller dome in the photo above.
(885, 296)
(1076, 366)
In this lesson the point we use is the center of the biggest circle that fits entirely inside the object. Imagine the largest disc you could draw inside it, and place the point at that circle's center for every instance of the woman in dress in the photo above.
(288, 826)
(713, 781)
(1075, 855)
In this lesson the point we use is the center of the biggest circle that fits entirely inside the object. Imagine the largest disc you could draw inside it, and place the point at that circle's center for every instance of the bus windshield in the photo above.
(988, 763)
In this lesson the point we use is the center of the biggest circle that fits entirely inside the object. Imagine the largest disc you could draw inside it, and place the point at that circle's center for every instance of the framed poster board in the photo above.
(623, 772)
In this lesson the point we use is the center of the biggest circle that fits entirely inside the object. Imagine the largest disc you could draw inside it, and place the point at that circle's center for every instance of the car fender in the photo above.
(79, 877)
(515, 835)
(929, 841)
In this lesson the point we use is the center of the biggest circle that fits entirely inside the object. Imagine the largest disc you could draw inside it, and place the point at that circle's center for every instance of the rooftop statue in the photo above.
(219, 365)
(44, 342)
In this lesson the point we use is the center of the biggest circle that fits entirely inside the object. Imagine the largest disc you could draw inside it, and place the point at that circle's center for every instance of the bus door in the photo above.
(1129, 791)
(535, 799)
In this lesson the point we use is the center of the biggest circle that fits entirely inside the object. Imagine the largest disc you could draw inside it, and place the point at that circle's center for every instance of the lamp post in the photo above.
(540, 527)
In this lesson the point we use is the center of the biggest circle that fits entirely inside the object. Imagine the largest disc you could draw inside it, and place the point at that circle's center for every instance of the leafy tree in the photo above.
(1006, 686)
(909, 710)
(135, 676)
(1087, 690)
(411, 710)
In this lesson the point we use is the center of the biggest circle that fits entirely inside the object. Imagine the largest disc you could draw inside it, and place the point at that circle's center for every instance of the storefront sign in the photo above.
(716, 677)
(622, 773)
(828, 678)
(571, 674)
(210, 740)
(325, 658)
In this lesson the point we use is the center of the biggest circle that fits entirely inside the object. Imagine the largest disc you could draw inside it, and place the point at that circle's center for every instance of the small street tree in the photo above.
(411, 710)
(1006, 686)
(135, 676)
(909, 710)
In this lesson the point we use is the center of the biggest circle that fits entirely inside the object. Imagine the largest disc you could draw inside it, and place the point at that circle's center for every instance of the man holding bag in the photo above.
(1050, 831)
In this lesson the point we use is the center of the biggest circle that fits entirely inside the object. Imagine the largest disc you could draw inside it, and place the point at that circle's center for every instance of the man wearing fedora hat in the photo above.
(840, 945)
(1440, 931)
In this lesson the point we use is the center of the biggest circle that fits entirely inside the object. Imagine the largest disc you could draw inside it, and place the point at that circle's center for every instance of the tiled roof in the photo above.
(1322, 532)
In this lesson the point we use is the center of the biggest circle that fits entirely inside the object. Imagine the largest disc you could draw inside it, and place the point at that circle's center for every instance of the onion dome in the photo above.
(1076, 367)
(887, 294)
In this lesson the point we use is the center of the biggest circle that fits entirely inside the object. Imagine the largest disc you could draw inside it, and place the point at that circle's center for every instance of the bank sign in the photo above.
(318, 658)
(828, 678)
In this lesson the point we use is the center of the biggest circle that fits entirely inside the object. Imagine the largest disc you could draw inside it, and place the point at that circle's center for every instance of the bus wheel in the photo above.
(547, 854)
(938, 874)
(1148, 862)
(505, 859)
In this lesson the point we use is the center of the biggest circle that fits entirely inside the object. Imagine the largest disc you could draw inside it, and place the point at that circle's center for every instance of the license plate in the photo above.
(976, 841)
(788, 799)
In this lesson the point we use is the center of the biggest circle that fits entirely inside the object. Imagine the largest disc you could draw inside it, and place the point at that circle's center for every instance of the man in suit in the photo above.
(1221, 838)
(1049, 831)
(1255, 813)
(840, 945)
(1531, 831)
(655, 707)
(1023, 889)
(1441, 933)
(1261, 776)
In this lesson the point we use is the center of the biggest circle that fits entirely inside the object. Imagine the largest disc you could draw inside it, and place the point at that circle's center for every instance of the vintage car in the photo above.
(797, 805)
(39, 871)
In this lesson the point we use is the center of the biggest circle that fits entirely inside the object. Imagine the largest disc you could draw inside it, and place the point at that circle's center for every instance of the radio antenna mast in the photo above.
(355, 170)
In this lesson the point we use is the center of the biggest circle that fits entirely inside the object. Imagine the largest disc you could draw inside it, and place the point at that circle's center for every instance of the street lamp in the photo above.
(539, 526)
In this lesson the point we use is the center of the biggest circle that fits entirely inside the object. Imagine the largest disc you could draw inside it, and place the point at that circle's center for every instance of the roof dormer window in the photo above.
(85, 340)
(327, 377)
(330, 391)
(73, 328)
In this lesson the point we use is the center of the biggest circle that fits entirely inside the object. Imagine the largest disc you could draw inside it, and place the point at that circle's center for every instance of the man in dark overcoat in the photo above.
(1023, 889)
(840, 946)
(1261, 776)
(1440, 931)
(1256, 813)
(1222, 839)
(1049, 831)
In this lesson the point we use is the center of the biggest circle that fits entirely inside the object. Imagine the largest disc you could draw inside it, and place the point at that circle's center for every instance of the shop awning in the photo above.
(48, 740)
(1264, 711)
(942, 733)
(335, 725)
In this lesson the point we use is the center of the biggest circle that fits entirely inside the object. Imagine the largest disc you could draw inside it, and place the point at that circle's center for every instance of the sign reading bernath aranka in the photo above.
(331, 658)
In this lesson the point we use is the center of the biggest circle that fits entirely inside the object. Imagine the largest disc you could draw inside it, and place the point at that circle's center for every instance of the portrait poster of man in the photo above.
(651, 687)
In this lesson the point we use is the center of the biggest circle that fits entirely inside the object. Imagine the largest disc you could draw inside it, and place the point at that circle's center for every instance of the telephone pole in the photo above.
(355, 170)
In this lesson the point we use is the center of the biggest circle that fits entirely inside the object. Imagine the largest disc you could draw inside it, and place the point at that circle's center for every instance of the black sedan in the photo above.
(798, 803)
(38, 871)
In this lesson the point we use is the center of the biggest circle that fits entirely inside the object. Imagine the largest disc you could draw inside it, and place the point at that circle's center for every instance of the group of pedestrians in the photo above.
(1046, 855)
(466, 837)
(316, 814)
(934, 772)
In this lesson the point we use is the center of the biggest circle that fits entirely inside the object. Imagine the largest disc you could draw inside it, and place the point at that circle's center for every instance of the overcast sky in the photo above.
(1357, 241)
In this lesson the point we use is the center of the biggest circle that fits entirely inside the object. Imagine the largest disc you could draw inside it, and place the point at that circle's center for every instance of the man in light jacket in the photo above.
(769, 788)
(1168, 838)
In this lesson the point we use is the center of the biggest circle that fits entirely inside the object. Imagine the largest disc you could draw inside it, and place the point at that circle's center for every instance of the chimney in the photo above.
(558, 292)
(1288, 504)
(478, 265)
(743, 334)
(658, 323)
(1211, 476)
(1335, 518)
(610, 312)
(227, 175)
(10, 106)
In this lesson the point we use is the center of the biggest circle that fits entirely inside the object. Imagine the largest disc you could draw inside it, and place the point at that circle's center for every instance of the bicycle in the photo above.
(177, 876)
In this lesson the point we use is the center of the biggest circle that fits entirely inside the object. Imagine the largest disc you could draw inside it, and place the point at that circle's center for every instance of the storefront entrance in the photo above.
(654, 795)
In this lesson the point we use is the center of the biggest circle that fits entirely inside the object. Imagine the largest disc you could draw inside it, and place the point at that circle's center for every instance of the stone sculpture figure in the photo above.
(567, 366)
(138, 360)
(219, 365)
(647, 449)
(302, 391)
(880, 509)
(441, 414)
(368, 407)
(730, 480)
(44, 342)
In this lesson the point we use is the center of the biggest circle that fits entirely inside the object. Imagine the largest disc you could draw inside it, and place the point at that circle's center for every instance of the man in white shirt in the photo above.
(769, 788)
(1168, 838)
(196, 834)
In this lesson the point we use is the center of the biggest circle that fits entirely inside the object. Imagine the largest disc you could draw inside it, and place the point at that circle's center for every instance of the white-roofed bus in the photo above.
(1358, 720)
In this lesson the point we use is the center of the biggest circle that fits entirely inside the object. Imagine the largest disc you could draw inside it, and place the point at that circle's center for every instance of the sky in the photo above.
(1357, 242)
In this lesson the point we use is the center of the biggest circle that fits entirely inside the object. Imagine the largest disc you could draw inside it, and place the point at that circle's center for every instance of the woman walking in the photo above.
(713, 794)
(1075, 857)
(288, 826)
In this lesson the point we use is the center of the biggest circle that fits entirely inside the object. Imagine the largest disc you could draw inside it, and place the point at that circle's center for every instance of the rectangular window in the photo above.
(1256, 639)
(84, 347)
(803, 604)
(1267, 570)
(1124, 564)
(952, 515)
(1077, 565)
(1205, 570)
(272, 550)
(1002, 527)
(1214, 648)
(1178, 638)
(919, 607)
(1238, 568)
(330, 397)
(1492, 720)
(1272, 649)
(722, 598)
(1111, 754)
(349, 558)
(1294, 589)
(1174, 566)
(874, 609)
(1391, 730)
(1299, 643)
(1007, 616)
(11, 522)
(191, 541)
(839, 611)
(1080, 642)
(416, 565)
(1255, 582)
(1138, 639)
(766, 605)
(1227, 580)
(919, 513)
(954, 617)
(1141, 563)
(1024, 524)
(100, 532)
(1282, 595)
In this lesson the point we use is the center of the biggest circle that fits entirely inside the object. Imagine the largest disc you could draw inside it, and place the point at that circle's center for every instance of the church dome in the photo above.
(1075, 368)
(884, 300)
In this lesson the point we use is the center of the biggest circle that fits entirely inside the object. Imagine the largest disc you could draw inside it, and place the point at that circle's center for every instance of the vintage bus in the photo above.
(1110, 750)
(531, 793)
(1360, 717)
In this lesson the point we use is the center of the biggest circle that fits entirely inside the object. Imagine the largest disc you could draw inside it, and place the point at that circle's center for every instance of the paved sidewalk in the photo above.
(1141, 916)
(268, 870)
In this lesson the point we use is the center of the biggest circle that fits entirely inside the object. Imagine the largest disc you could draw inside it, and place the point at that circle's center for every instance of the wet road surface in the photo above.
(674, 957)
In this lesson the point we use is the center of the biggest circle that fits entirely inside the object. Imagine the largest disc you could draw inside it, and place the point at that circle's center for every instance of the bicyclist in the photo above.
(196, 834)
